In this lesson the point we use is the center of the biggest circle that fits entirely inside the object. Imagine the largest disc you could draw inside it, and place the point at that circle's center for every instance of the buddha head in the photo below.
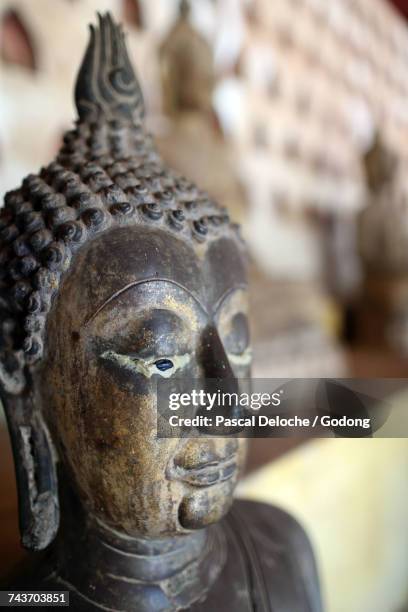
(115, 272)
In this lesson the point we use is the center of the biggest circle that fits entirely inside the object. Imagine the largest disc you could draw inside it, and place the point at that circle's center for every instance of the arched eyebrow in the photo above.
(224, 296)
(141, 282)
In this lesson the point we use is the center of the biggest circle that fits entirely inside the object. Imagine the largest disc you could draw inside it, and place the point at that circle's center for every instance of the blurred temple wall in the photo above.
(352, 498)
(300, 88)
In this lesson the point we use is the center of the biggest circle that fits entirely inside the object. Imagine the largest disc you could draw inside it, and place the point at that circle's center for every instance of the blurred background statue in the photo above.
(191, 139)
(187, 68)
(383, 238)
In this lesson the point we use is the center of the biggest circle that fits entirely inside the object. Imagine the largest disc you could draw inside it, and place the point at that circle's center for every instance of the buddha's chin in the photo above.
(206, 506)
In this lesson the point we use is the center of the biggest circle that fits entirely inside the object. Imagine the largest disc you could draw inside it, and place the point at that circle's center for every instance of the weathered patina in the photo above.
(117, 271)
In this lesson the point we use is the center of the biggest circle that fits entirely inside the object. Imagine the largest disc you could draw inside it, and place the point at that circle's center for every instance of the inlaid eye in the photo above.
(164, 364)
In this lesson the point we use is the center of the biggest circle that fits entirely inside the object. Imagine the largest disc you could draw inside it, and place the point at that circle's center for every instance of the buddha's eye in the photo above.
(237, 339)
(244, 359)
(148, 367)
(164, 364)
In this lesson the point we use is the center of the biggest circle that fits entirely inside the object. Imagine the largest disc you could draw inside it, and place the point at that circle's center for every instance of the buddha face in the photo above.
(138, 304)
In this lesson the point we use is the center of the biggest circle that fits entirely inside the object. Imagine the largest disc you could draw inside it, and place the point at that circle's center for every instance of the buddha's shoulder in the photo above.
(270, 520)
(269, 523)
(279, 552)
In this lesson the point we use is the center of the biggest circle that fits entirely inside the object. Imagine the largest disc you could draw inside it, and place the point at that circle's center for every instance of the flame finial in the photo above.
(106, 84)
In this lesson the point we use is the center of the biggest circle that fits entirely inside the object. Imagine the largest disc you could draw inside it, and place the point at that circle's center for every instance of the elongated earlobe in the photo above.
(12, 378)
(35, 467)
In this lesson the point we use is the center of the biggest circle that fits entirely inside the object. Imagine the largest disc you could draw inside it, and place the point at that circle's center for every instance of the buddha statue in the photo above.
(187, 71)
(382, 306)
(191, 139)
(117, 271)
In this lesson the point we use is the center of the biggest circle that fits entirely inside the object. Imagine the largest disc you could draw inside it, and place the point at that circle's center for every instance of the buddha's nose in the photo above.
(214, 359)
(219, 377)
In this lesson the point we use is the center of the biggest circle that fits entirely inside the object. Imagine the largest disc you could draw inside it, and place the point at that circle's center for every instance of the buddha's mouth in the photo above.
(207, 475)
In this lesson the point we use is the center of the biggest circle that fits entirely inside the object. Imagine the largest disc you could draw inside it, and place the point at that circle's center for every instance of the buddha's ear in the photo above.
(34, 460)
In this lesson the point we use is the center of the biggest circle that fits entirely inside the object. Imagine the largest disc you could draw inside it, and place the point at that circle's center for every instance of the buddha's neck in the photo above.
(117, 572)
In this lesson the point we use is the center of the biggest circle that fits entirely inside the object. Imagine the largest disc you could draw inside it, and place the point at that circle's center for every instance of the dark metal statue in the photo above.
(116, 271)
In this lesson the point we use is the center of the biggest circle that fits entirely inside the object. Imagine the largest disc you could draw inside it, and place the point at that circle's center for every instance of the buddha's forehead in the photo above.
(127, 255)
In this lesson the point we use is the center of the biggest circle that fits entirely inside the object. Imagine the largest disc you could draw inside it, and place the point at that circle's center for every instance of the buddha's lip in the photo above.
(208, 474)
